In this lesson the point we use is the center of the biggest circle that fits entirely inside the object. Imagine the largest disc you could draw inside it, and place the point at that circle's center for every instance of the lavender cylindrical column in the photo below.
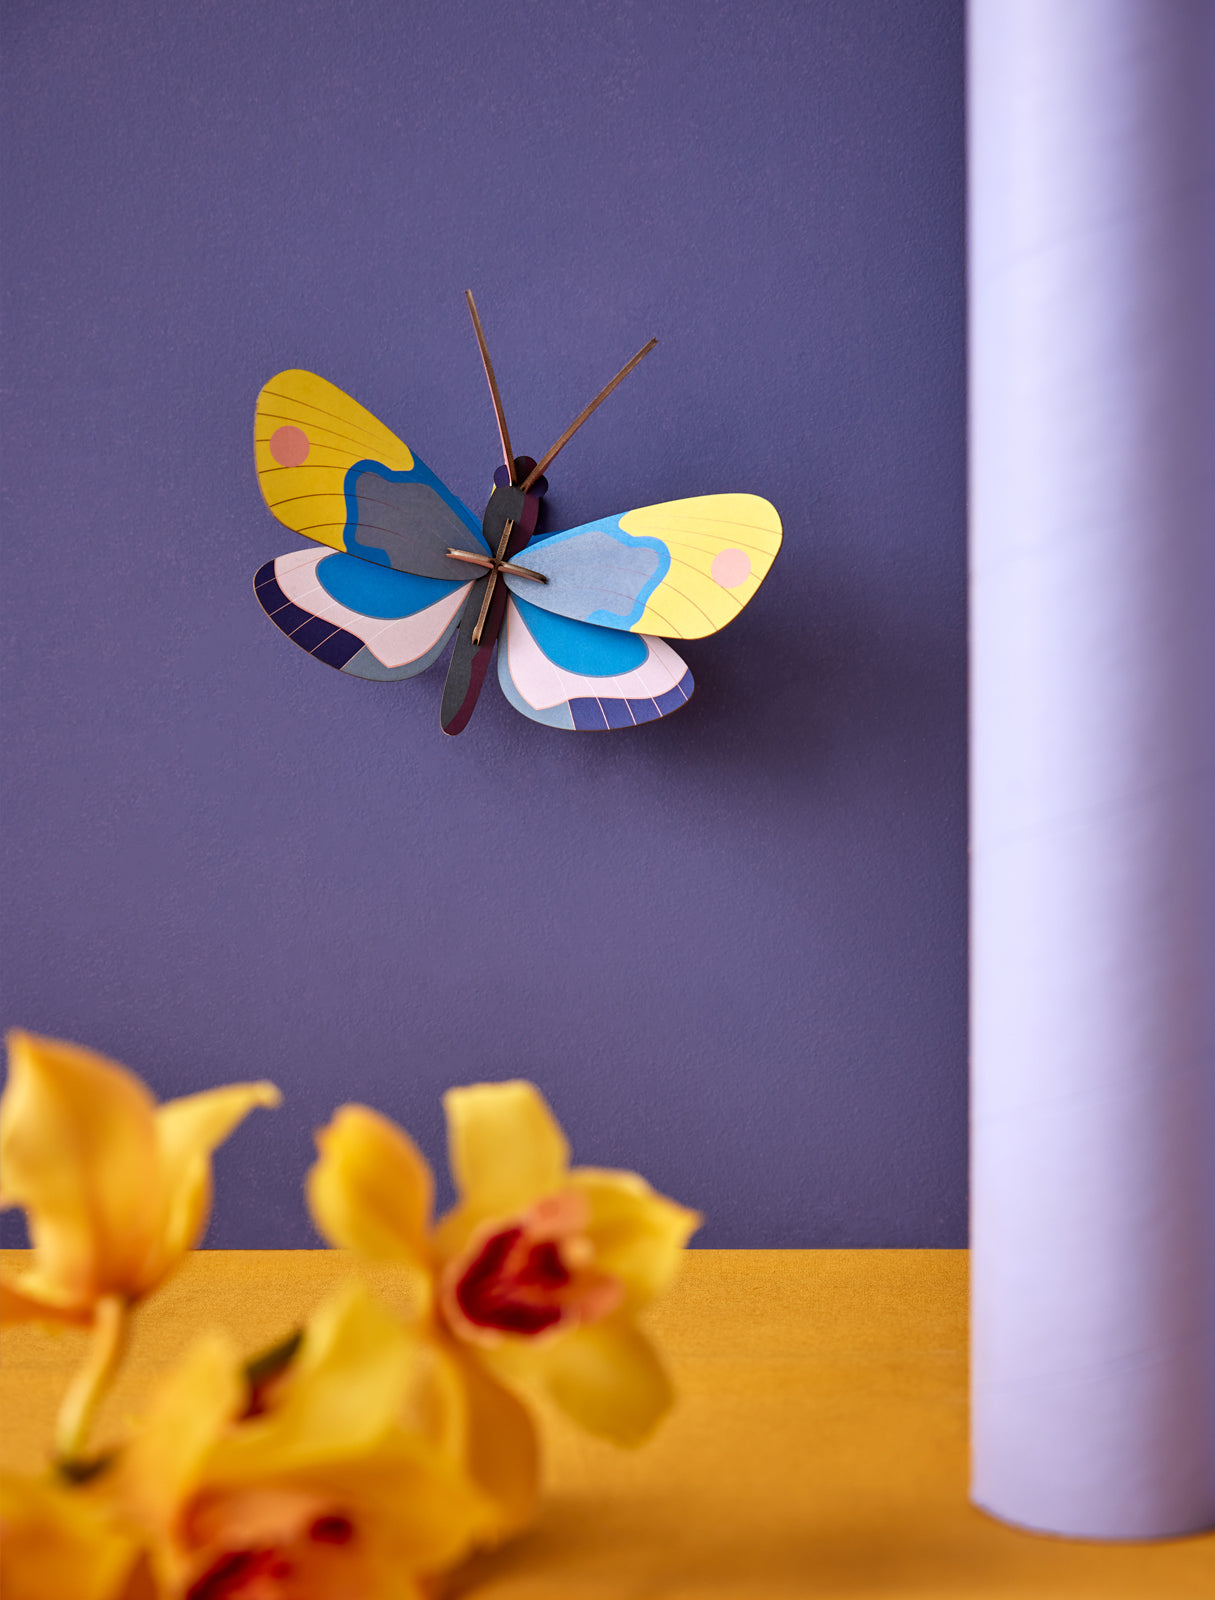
(1092, 282)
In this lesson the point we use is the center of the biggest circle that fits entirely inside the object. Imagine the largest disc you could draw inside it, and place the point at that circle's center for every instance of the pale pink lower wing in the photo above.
(315, 598)
(570, 674)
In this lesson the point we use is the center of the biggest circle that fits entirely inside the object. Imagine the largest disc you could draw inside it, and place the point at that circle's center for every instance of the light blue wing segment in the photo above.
(362, 619)
(596, 573)
(571, 674)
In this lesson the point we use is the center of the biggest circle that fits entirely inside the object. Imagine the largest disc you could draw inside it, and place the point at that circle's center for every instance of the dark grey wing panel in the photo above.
(409, 524)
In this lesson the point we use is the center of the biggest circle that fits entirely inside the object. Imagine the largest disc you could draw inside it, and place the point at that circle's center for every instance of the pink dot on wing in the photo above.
(290, 447)
(730, 568)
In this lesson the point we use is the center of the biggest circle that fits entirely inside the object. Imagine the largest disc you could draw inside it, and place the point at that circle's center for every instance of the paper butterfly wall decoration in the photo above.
(581, 624)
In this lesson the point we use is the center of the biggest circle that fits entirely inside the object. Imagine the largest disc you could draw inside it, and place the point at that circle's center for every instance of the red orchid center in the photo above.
(530, 1275)
(247, 1574)
(331, 1530)
(513, 1285)
(270, 1572)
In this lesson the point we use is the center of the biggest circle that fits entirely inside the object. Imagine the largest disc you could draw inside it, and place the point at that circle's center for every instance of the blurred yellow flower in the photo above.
(301, 1485)
(534, 1276)
(57, 1542)
(116, 1189)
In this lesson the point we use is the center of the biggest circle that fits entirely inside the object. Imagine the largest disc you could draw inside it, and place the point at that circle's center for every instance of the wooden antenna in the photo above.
(493, 386)
(551, 454)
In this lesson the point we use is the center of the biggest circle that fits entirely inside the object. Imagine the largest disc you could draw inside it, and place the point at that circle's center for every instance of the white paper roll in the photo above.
(1092, 280)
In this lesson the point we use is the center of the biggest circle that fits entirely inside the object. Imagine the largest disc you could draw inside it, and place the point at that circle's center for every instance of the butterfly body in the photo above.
(579, 618)
(508, 523)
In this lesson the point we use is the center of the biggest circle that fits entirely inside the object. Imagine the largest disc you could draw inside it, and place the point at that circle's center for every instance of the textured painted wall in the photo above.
(730, 947)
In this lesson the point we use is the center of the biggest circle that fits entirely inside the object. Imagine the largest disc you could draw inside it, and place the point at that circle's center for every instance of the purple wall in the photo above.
(730, 947)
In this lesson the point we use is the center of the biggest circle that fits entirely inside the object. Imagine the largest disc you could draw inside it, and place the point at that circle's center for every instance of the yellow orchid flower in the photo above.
(535, 1275)
(371, 1192)
(116, 1189)
(56, 1542)
(302, 1485)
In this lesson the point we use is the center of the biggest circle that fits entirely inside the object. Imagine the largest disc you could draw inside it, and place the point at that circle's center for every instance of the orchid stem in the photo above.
(111, 1323)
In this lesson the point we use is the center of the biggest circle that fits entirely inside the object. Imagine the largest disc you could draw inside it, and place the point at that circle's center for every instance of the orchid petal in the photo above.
(78, 1146)
(479, 1427)
(56, 1542)
(501, 1450)
(341, 1394)
(187, 1131)
(606, 1376)
(327, 1445)
(18, 1307)
(188, 1413)
(638, 1234)
(416, 1511)
(370, 1191)
(506, 1148)
(437, 1404)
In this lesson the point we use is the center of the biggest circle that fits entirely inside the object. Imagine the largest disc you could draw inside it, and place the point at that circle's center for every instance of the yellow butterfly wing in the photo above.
(307, 435)
(721, 546)
(679, 570)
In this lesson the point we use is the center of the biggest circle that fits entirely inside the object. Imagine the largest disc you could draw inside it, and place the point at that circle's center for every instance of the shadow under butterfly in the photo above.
(581, 624)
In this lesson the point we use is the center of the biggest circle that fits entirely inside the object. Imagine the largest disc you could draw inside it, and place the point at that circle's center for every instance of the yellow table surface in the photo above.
(819, 1447)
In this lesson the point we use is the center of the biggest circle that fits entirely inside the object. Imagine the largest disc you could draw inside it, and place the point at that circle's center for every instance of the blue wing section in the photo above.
(591, 652)
(571, 674)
